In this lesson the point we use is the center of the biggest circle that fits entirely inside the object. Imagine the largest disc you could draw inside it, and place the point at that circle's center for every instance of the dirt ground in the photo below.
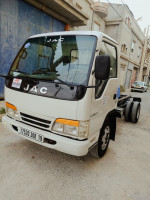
(2, 105)
(31, 172)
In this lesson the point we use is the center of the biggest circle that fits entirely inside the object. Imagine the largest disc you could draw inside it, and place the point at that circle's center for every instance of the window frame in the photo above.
(104, 83)
(103, 41)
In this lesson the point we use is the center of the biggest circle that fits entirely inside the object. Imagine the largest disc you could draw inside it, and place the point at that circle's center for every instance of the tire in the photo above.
(101, 147)
(127, 114)
(135, 113)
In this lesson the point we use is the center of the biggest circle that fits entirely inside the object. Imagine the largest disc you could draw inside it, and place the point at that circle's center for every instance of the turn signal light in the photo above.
(68, 122)
(8, 105)
(78, 129)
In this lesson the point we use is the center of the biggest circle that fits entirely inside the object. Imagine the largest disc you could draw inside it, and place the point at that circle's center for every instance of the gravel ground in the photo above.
(2, 103)
(29, 171)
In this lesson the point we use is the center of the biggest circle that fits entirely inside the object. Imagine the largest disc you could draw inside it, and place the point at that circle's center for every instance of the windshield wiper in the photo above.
(47, 71)
(11, 75)
(26, 76)
(65, 83)
(5, 76)
(22, 72)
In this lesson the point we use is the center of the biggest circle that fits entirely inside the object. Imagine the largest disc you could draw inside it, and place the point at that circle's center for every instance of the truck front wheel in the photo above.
(100, 148)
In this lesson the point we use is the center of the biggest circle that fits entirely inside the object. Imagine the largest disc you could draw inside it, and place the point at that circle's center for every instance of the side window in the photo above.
(107, 49)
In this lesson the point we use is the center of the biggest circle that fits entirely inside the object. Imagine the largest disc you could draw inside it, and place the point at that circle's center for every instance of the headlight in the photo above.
(78, 129)
(11, 111)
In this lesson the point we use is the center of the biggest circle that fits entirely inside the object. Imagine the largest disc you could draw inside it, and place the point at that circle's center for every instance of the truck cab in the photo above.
(61, 91)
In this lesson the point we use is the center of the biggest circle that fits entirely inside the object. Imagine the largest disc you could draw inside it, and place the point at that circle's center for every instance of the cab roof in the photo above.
(98, 34)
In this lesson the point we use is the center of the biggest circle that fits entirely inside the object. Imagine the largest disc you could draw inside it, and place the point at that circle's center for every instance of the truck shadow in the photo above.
(40, 157)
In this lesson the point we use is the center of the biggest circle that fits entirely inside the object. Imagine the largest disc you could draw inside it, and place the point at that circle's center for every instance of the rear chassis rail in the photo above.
(122, 102)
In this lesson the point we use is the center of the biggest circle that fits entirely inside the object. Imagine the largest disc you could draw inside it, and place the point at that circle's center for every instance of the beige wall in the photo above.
(112, 31)
(125, 30)
(95, 22)
(130, 39)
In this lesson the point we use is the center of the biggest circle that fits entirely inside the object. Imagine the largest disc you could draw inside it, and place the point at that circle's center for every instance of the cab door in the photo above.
(104, 97)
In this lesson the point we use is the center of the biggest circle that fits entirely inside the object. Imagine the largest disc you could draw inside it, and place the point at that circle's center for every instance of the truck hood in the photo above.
(40, 106)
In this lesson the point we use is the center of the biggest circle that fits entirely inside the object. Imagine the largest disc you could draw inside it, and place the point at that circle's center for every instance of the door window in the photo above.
(107, 49)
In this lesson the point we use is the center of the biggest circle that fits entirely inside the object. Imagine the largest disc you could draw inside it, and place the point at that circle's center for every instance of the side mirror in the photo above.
(102, 67)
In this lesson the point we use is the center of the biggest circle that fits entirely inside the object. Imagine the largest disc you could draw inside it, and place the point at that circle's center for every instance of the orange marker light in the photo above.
(68, 122)
(8, 105)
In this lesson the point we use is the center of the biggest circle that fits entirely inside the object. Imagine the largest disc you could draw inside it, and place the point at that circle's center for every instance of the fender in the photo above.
(112, 117)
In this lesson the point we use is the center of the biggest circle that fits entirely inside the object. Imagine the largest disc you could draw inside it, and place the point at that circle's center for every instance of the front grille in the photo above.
(35, 121)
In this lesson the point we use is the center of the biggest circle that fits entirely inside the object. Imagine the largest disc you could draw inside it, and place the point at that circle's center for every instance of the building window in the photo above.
(128, 21)
(124, 48)
(132, 46)
(139, 52)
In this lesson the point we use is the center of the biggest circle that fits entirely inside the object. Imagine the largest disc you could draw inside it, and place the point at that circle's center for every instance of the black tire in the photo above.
(127, 114)
(100, 148)
(135, 113)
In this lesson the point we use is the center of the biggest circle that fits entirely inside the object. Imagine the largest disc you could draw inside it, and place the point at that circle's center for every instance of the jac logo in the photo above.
(35, 89)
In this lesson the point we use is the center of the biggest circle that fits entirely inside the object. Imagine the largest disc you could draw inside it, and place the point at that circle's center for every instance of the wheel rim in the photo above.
(105, 138)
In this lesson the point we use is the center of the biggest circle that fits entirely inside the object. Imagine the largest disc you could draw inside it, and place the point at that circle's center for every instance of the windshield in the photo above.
(138, 83)
(66, 58)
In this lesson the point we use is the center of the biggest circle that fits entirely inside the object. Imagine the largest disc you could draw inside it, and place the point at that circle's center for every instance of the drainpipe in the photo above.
(143, 55)
(126, 77)
(92, 19)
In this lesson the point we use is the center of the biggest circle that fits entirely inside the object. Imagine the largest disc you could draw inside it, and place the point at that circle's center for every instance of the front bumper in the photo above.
(63, 144)
(137, 89)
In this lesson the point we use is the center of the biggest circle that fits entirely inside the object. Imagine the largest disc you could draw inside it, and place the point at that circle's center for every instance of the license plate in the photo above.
(31, 134)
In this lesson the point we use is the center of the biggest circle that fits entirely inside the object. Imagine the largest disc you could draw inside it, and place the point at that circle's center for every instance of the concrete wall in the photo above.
(95, 22)
(125, 30)
(18, 21)
(113, 31)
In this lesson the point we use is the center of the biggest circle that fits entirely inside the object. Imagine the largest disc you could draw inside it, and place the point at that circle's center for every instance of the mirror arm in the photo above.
(3, 76)
(94, 86)
(93, 71)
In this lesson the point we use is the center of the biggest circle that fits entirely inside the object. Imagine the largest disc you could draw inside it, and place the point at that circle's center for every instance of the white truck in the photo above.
(62, 92)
